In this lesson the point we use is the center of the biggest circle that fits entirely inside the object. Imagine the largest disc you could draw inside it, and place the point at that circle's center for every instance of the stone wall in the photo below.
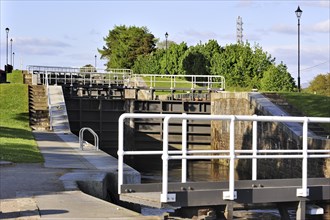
(270, 136)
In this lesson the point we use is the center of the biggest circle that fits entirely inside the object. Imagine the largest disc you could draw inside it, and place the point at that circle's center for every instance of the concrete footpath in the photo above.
(53, 190)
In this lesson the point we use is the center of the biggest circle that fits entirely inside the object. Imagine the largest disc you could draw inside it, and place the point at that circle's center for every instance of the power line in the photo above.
(308, 68)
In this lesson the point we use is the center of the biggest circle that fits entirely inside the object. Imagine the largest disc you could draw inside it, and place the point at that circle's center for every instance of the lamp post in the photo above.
(95, 62)
(166, 36)
(11, 51)
(298, 13)
(13, 59)
(7, 31)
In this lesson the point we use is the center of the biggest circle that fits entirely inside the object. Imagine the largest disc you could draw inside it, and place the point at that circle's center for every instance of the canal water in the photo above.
(206, 171)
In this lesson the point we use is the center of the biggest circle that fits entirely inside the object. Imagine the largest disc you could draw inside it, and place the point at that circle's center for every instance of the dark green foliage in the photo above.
(175, 55)
(125, 44)
(148, 64)
(242, 65)
(195, 63)
(277, 78)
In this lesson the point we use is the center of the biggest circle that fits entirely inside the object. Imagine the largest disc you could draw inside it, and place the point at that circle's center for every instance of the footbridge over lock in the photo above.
(300, 191)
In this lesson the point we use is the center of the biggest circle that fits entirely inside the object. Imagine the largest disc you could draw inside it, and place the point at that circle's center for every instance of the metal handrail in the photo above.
(83, 75)
(230, 154)
(81, 137)
(207, 81)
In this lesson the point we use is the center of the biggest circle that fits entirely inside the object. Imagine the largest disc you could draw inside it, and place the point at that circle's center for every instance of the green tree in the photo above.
(124, 44)
(195, 63)
(241, 64)
(277, 78)
(148, 64)
(175, 55)
(320, 85)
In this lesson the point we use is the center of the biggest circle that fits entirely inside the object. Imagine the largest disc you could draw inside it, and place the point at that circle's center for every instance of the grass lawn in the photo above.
(17, 143)
(310, 104)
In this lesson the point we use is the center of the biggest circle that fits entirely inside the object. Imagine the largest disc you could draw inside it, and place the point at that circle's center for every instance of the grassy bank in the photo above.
(16, 140)
(310, 105)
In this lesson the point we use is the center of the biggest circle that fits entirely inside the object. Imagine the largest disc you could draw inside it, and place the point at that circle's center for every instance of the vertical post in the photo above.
(184, 150)
(7, 31)
(13, 59)
(298, 54)
(254, 148)
(304, 166)
(120, 152)
(304, 192)
(298, 14)
(301, 210)
(231, 194)
(163, 196)
(11, 51)
(166, 36)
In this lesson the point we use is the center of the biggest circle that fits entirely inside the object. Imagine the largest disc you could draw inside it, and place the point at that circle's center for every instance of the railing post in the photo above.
(120, 152)
(304, 192)
(163, 196)
(231, 194)
(184, 150)
(254, 148)
(81, 138)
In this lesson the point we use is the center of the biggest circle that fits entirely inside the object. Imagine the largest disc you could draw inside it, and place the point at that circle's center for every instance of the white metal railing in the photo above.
(232, 154)
(49, 103)
(206, 82)
(90, 75)
(81, 138)
(83, 75)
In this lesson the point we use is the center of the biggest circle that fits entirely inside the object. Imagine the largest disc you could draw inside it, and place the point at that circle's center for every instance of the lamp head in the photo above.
(166, 35)
(7, 30)
(298, 12)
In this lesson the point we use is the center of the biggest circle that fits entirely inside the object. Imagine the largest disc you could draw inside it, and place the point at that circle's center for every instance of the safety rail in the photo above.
(81, 137)
(232, 154)
(125, 77)
(207, 82)
(83, 75)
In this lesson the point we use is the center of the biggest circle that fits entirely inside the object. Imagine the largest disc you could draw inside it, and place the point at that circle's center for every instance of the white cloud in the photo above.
(94, 32)
(284, 29)
(33, 50)
(244, 3)
(39, 42)
(322, 27)
(200, 34)
(322, 4)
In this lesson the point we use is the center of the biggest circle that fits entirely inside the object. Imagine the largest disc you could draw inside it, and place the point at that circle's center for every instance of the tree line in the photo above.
(243, 65)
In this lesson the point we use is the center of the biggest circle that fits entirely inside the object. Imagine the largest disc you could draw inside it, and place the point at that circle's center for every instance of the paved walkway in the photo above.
(50, 191)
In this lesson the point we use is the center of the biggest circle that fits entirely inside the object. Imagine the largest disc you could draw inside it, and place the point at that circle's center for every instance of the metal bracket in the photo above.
(302, 193)
(228, 196)
(171, 197)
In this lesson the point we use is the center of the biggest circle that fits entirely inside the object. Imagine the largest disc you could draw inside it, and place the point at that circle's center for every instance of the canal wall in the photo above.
(271, 135)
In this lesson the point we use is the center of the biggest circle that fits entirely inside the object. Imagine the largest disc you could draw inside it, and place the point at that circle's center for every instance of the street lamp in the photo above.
(298, 13)
(11, 51)
(166, 36)
(95, 62)
(7, 31)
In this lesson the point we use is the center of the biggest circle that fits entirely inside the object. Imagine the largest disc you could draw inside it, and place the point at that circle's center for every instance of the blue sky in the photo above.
(68, 33)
